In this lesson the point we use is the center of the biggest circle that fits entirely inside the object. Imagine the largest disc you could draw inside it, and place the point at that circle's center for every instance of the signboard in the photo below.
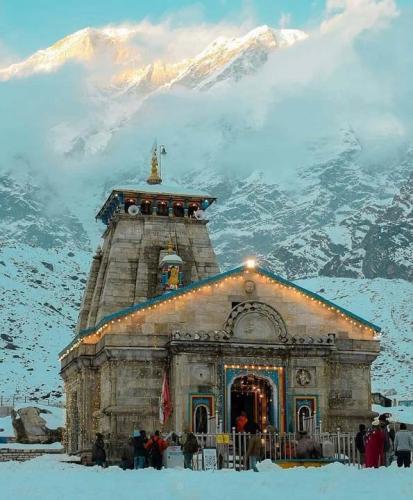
(223, 438)
(209, 458)
(174, 457)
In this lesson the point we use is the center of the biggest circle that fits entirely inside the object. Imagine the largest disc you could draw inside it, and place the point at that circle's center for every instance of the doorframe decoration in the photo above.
(309, 401)
(198, 399)
(274, 375)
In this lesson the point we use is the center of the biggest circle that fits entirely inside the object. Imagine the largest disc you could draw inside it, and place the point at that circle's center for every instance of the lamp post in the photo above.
(161, 152)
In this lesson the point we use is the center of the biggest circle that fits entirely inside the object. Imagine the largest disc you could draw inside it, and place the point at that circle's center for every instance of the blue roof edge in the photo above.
(197, 284)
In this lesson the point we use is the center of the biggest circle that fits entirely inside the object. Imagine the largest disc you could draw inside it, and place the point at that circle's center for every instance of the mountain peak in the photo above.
(86, 44)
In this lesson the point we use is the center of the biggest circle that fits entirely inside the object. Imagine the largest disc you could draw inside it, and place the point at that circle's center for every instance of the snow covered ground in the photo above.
(49, 477)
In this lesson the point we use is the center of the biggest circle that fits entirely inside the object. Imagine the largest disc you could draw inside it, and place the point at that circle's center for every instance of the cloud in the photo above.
(349, 18)
(351, 74)
(6, 54)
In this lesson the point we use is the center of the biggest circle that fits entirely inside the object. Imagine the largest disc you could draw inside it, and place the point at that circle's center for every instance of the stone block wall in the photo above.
(22, 455)
(127, 271)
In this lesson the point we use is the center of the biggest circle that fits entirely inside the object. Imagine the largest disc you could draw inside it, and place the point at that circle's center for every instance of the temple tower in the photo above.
(141, 225)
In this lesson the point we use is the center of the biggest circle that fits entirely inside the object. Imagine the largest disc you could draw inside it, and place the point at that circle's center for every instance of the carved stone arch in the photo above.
(261, 317)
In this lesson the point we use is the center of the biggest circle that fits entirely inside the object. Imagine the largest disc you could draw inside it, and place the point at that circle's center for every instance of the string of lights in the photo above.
(182, 295)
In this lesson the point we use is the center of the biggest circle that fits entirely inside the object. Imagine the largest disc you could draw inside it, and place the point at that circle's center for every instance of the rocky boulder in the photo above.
(30, 427)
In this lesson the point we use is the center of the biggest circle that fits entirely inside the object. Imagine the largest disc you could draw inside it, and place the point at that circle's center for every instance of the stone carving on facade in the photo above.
(249, 286)
(263, 313)
(340, 398)
(224, 336)
(303, 377)
(201, 335)
(201, 373)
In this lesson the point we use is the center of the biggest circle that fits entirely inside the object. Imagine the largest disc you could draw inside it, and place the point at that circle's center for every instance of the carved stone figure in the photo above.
(249, 286)
(303, 377)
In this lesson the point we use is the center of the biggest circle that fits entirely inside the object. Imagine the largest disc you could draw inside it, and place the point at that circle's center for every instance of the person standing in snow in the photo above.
(360, 443)
(98, 451)
(140, 452)
(374, 446)
(387, 443)
(254, 447)
(403, 446)
(189, 445)
(127, 455)
(155, 447)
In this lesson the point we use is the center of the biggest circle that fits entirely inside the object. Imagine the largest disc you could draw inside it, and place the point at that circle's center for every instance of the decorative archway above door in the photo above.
(253, 319)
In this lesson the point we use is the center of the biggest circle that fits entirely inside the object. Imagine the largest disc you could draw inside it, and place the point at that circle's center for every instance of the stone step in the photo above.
(24, 454)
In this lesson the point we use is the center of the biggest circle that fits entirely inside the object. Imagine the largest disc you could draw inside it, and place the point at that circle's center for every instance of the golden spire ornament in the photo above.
(170, 246)
(154, 178)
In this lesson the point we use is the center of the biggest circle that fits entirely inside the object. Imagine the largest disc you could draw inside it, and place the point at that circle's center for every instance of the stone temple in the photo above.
(157, 311)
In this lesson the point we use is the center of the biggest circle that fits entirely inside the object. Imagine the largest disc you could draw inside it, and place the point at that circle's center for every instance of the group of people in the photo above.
(379, 444)
(142, 451)
(376, 446)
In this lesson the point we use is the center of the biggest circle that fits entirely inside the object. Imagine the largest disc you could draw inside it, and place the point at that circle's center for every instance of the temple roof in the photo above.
(208, 281)
(164, 191)
(171, 188)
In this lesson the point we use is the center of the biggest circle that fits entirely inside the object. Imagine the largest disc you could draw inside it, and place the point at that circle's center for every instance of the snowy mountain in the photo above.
(223, 58)
(43, 289)
(119, 81)
(324, 216)
(83, 46)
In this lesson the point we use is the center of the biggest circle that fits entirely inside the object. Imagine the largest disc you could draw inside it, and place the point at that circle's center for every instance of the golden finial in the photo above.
(154, 178)
(170, 246)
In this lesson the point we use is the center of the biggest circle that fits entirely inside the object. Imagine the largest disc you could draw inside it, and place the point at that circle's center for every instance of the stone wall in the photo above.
(208, 310)
(22, 455)
(113, 381)
(127, 270)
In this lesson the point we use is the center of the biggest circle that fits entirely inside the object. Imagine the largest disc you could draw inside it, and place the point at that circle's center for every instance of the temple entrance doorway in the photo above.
(254, 395)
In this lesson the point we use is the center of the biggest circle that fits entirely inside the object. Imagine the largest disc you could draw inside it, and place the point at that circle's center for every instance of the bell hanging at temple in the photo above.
(171, 270)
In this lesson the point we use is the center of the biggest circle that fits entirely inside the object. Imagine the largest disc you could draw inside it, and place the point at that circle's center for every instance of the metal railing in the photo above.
(18, 399)
(232, 448)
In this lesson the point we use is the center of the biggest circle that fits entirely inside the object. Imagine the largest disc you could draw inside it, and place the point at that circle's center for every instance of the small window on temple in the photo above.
(146, 207)
(162, 208)
(178, 209)
(193, 207)
(128, 203)
(234, 304)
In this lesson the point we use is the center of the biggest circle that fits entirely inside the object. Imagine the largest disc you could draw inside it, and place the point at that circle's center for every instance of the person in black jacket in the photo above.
(189, 447)
(98, 451)
(360, 443)
(127, 459)
(140, 452)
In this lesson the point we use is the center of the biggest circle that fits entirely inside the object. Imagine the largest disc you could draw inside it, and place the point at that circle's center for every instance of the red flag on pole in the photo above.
(165, 406)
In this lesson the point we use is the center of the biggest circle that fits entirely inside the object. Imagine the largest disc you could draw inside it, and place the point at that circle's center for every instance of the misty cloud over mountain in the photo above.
(304, 137)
